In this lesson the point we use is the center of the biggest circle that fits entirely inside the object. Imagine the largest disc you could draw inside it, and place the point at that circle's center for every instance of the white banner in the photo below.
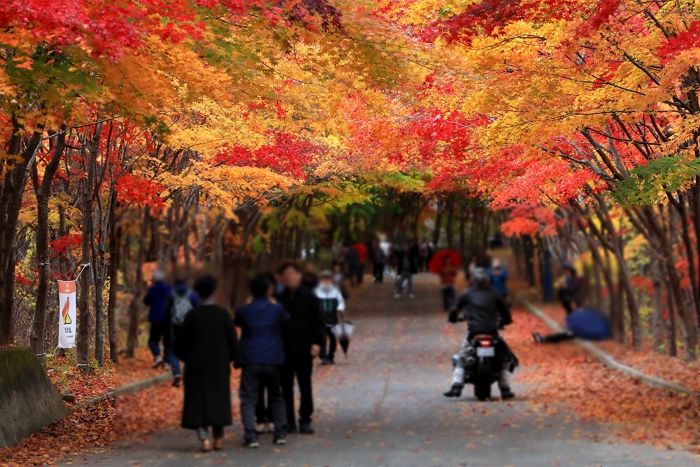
(66, 317)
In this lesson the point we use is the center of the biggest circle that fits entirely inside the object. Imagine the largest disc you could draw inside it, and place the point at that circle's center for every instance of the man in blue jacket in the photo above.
(261, 355)
(156, 299)
(582, 323)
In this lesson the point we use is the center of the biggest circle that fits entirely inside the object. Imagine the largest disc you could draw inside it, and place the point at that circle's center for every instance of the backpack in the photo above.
(181, 306)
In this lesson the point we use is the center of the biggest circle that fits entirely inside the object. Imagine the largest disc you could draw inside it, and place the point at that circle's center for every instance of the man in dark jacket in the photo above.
(261, 355)
(485, 313)
(407, 264)
(304, 334)
(156, 299)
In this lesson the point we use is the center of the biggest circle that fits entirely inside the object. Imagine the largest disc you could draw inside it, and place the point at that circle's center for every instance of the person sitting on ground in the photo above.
(572, 290)
(486, 313)
(181, 302)
(582, 323)
(207, 345)
(261, 357)
(332, 303)
(156, 299)
(448, 276)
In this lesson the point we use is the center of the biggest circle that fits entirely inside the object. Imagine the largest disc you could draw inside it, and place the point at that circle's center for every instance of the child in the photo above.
(332, 303)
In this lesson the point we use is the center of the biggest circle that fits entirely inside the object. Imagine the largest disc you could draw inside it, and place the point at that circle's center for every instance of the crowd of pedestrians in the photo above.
(286, 323)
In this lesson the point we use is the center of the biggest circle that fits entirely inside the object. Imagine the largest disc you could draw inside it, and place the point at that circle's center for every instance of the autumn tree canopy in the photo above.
(193, 129)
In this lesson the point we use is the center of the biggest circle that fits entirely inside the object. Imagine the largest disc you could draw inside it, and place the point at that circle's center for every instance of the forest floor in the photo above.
(383, 406)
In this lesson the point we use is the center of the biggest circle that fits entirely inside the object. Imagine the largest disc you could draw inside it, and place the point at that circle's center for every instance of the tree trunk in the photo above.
(43, 193)
(137, 291)
(87, 247)
(10, 205)
(114, 249)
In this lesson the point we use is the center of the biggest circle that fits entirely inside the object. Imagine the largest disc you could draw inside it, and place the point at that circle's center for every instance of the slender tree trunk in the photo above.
(43, 193)
(137, 289)
(438, 225)
(114, 250)
(87, 248)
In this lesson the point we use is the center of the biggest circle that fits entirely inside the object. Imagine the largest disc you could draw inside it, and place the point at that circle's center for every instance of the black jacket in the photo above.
(486, 310)
(413, 256)
(207, 345)
(305, 326)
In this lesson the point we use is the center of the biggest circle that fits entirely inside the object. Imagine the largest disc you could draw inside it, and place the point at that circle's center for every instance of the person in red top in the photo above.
(359, 270)
(448, 275)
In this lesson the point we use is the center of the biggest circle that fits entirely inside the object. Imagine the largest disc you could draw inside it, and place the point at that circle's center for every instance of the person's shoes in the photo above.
(251, 443)
(410, 296)
(206, 445)
(507, 394)
(537, 337)
(306, 428)
(218, 444)
(455, 391)
(397, 295)
(158, 361)
(292, 428)
(177, 379)
(280, 439)
(325, 361)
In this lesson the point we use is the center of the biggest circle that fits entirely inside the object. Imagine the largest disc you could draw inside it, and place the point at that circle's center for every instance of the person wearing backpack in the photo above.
(181, 302)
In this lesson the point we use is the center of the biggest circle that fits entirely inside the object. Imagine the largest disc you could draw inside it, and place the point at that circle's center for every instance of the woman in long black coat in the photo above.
(207, 345)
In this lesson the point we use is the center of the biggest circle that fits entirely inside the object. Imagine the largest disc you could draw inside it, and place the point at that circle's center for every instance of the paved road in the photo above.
(383, 406)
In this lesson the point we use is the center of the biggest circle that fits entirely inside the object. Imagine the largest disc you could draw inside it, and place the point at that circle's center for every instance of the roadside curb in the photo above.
(608, 360)
(121, 390)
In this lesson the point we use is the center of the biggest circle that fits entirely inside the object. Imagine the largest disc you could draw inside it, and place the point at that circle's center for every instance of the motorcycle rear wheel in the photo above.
(482, 390)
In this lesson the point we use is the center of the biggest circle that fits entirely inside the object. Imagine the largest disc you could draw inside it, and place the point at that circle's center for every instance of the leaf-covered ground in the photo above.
(565, 375)
(559, 381)
(98, 426)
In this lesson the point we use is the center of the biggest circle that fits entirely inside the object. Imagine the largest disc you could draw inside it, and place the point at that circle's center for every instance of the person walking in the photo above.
(498, 275)
(261, 358)
(407, 262)
(378, 263)
(304, 334)
(207, 345)
(156, 299)
(352, 263)
(359, 272)
(181, 302)
(332, 303)
(448, 276)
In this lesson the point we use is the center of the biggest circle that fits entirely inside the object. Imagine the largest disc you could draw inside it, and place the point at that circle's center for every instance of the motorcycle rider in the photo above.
(486, 313)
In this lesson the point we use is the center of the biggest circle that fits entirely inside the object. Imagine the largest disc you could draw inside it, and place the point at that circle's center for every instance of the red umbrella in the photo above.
(439, 258)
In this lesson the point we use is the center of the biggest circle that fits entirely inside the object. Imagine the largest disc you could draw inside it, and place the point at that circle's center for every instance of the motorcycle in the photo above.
(481, 365)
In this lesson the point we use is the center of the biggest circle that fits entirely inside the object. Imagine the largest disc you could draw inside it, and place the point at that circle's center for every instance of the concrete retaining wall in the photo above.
(28, 400)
